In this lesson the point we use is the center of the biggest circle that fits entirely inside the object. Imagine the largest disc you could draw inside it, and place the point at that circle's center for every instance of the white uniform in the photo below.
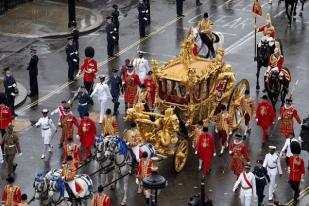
(246, 191)
(46, 124)
(273, 166)
(141, 68)
(103, 93)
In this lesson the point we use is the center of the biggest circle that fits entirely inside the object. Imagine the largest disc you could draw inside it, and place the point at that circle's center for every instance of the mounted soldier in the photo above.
(205, 31)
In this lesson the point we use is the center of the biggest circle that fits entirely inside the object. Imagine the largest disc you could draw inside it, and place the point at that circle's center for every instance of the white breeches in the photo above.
(272, 186)
(47, 134)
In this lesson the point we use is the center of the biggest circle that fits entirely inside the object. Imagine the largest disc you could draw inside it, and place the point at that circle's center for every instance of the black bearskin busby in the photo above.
(89, 52)
(295, 147)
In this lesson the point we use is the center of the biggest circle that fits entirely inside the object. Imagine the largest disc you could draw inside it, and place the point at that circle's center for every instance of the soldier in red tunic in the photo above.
(72, 149)
(89, 68)
(296, 168)
(101, 199)
(265, 116)
(238, 151)
(144, 170)
(5, 115)
(86, 133)
(11, 195)
(151, 88)
(131, 83)
(206, 150)
(66, 123)
(287, 114)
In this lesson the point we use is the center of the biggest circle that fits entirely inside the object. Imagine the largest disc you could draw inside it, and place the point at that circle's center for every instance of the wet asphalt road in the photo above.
(232, 18)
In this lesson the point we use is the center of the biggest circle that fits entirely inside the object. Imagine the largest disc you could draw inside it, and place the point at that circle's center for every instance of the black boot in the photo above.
(147, 201)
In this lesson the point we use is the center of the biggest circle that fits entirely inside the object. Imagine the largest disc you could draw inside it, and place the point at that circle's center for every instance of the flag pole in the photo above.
(254, 37)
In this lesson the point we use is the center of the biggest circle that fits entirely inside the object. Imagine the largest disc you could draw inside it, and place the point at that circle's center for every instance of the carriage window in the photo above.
(172, 91)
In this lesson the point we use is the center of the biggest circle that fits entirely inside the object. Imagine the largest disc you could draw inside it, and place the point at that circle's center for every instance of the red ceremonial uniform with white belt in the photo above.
(239, 152)
(102, 200)
(5, 116)
(287, 117)
(297, 168)
(90, 68)
(11, 195)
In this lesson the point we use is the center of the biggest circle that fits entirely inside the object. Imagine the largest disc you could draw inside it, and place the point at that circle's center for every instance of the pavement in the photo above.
(232, 18)
(43, 18)
(20, 97)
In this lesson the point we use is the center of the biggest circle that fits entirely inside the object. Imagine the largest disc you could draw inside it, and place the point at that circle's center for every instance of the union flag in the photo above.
(257, 8)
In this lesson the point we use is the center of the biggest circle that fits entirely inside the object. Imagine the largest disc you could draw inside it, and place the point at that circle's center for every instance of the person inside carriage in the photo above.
(268, 31)
(205, 30)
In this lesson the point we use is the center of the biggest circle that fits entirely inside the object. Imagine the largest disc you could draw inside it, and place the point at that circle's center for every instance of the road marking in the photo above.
(225, 33)
(280, 12)
(159, 54)
(301, 194)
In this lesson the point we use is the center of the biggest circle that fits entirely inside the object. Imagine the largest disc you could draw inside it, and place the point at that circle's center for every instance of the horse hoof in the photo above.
(123, 204)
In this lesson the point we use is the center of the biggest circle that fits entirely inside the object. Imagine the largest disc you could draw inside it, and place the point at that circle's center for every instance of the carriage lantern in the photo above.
(154, 182)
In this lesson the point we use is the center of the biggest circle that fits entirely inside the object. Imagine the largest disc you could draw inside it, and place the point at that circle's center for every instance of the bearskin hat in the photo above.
(295, 147)
(89, 52)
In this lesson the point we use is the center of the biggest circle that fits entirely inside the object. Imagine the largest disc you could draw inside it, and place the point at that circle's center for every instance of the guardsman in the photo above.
(287, 114)
(72, 58)
(224, 127)
(83, 101)
(151, 88)
(296, 169)
(109, 124)
(179, 8)
(11, 147)
(86, 134)
(24, 201)
(142, 18)
(115, 83)
(205, 29)
(33, 73)
(133, 138)
(5, 114)
(131, 82)
(238, 151)
(141, 66)
(11, 90)
(101, 199)
(247, 183)
(144, 170)
(268, 29)
(115, 16)
(11, 195)
(261, 180)
(75, 34)
(66, 123)
(143, 96)
(206, 150)
(101, 89)
(197, 132)
(69, 171)
(72, 149)
(89, 68)
(110, 36)
(273, 166)
(47, 125)
(287, 148)
(264, 116)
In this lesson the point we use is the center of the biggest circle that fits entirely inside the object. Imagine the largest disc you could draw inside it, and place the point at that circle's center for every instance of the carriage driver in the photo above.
(268, 31)
(205, 28)
(68, 174)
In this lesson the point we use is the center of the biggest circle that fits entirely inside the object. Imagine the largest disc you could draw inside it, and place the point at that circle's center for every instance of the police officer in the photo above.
(179, 8)
(142, 18)
(72, 58)
(75, 35)
(11, 147)
(116, 83)
(115, 16)
(11, 90)
(147, 4)
(261, 179)
(110, 36)
(33, 73)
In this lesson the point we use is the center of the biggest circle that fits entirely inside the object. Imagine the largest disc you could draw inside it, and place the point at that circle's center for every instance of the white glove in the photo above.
(114, 37)
(216, 130)
(90, 70)
(145, 19)
(289, 170)
(279, 118)
(230, 133)
(20, 154)
(12, 94)
(115, 29)
(215, 154)
(69, 102)
(77, 137)
(302, 180)
(195, 152)
(256, 119)
(136, 180)
(128, 143)
(59, 124)
(230, 152)
(14, 85)
(74, 60)
(123, 83)
(147, 11)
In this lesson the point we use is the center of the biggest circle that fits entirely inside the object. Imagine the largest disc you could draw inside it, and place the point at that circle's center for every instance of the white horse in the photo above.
(59, 192)
(218, 41)
(40, 186)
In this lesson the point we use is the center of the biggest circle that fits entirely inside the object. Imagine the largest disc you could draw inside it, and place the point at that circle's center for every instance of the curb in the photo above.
(99, 22)
(22, 95)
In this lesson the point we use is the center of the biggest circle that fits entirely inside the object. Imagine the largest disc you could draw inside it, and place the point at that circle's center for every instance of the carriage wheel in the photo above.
(181, 155)
(238, 92)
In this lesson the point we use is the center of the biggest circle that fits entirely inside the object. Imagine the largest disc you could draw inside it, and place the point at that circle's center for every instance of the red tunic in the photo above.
(265, 114)
(286, 124)
(205, 148)
(279, 63)
(5, 116)
(102, 200)
(297, 168)
(86, 67)
(262, 29)
(87, 131)
(131, 84)
(67, 121)
(151, 87)
(74, 151)
(239, 152)
(11, 196)
(144, 168)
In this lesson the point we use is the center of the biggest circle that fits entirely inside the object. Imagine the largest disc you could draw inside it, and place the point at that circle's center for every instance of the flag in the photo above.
(257, 9)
